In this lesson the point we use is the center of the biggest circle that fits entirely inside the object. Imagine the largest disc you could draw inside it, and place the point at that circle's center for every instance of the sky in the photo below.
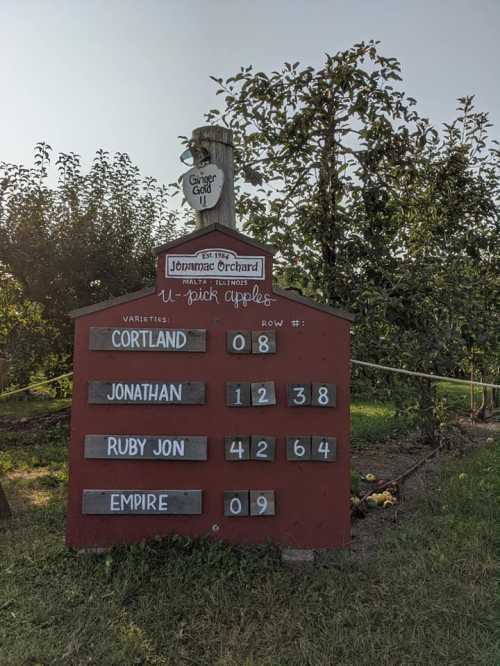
(131, 76)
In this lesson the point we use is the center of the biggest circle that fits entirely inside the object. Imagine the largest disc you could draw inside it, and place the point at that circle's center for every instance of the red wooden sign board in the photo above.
(212, 404)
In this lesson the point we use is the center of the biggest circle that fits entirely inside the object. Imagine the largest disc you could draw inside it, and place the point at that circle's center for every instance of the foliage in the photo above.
(85, 240)
(375, 210)
(25, 335)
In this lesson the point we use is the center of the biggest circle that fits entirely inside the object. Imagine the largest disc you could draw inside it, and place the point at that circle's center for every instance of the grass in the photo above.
(458, 396)
(374, 422)
(425, 596)
(20, 408)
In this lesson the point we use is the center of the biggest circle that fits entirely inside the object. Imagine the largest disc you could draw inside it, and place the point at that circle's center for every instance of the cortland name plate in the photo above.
(146, 392)
(147, 339)
(141, 502)
(142, 447)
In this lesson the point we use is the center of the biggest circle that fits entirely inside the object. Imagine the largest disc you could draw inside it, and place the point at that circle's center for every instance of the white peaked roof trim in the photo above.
(215, 227)
(111, 302)
(304, 300)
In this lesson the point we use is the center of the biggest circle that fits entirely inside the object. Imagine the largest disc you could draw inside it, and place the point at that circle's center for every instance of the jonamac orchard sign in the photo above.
(214, 263)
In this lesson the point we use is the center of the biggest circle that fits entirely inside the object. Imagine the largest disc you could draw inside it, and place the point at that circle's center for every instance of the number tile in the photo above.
(324, 395)
(262, 503)
(324, 449)
(263, 342)
(237, 447)
(262, 448)
(239, 342)
(298, 395)
(236, 504)
(263, 394)
(298, 448)
(238, 394)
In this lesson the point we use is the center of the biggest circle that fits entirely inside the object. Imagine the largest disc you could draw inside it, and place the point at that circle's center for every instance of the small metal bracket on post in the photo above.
(211, 149)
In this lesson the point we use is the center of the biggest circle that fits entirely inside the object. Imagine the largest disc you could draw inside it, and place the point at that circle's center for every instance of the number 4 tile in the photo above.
(324, 449)
(237, 447)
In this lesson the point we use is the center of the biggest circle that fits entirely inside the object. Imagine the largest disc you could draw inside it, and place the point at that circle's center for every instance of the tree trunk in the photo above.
(427, 421)
(5, 511)
(480, 414)
(495, 395)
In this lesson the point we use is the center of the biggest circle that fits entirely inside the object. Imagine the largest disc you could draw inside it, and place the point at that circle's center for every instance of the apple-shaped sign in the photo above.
(203, 186)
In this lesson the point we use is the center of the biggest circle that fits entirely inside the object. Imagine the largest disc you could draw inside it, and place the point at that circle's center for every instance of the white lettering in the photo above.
(112, 446)
(164, 393)
(181, 340)
(176, 392)
(178, 448)
(127, 501)
(131, 445)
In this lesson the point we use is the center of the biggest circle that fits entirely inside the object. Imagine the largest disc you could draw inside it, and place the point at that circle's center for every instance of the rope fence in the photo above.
(27, 388)
(386, 368)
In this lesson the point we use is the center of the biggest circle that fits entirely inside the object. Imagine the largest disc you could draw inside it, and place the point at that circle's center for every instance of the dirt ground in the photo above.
(388, 460)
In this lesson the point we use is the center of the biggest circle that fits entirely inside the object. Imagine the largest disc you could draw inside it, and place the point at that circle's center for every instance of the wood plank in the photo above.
(263, 394)
(323, 395)
(141, 502)
(236, 503)
(298, 395)
(237, 394)
(146, 392)
(219, 143)
(144, 447)
(262, 503)
(263, 448)
(323, 449)
(237, 447)
(298, 448)
(147, 339)
(263, 342)
(239, 342)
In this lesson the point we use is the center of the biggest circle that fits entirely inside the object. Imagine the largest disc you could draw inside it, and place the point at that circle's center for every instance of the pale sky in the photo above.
(131, 76)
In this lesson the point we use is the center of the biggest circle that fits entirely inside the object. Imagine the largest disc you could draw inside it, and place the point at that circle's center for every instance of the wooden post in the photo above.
(219, 143)
(5, 511)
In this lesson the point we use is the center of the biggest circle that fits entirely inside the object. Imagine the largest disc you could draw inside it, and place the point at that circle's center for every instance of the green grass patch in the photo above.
(31, 407)
(34, 449)
(426, 596)
(375, 422)
(458, 396)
